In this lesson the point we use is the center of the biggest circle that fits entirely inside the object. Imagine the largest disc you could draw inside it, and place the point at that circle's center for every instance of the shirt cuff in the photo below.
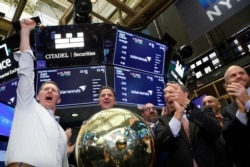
(242, 117)
(175, 126)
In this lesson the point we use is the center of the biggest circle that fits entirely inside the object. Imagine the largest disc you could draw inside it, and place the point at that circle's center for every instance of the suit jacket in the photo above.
(204, 130)
(229, 112)
(236, 136)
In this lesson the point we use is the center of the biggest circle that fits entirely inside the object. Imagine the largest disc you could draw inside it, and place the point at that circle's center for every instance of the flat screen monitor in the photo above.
(138, 88)
(8, 66)
(8, 91)
(140, 52)
(198, 100)
(78, 86)
(3, 148)
(6, 117)
(68, 45)
(178, 70)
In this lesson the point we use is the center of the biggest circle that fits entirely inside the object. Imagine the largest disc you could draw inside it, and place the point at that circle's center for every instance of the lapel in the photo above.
(191, 130)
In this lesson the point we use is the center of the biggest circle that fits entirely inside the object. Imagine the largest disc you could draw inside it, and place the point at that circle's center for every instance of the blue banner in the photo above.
(201, 16)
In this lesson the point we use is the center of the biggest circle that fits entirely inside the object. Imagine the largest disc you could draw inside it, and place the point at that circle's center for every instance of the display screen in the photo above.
(8, 66)
(3, 148)
(68, 45)
(78, 86)
(198, 100)
(89, 44)
(6, 116)
(178, 70)
(140, 52)
(138, 88)
(8, 91)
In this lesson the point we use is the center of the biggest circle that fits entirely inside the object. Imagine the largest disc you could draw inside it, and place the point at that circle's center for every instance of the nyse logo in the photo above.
(206, 3)
(214, 9)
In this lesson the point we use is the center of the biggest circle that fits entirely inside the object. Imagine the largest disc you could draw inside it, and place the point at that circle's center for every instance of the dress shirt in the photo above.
(247, 105)
(36, 137)
(152, 125)
(242, 117)
(175, 125)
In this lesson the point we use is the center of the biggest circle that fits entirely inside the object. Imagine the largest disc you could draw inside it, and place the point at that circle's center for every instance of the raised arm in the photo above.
(27, 25)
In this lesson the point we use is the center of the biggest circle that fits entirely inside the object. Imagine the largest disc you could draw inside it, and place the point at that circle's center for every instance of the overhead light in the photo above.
(75, 115)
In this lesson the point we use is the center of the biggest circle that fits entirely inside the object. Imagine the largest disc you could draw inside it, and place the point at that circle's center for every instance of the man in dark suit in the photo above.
(189, 145)
(225, 156)
(151, 116)
(236, 130)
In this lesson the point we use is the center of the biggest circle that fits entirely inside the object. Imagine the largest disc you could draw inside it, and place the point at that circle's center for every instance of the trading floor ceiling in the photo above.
(133, 14)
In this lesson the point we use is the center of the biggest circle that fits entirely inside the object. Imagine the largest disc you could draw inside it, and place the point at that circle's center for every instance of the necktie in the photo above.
(185, 126)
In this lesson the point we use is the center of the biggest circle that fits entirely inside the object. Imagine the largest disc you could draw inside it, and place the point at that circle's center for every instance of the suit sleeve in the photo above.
(206, 121)
(163, 132)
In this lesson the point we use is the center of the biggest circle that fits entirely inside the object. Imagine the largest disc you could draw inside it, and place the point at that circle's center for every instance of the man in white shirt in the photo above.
(36, 138)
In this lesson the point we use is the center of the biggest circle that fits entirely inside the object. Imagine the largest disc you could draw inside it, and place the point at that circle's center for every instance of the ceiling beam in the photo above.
(148, 13)
(105, 20)
(67, 16)
(17, 15)
(123, 7)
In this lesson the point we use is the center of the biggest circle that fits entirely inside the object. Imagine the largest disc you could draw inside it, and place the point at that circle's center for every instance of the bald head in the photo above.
(237, 74)
(212, 102)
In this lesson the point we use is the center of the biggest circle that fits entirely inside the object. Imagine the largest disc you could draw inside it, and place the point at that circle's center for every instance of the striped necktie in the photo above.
(185, 125)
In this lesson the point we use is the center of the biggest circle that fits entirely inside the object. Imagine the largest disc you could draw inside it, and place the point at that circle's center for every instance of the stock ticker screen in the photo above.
(76, 57)
(8, 91)
(68, 45)
(138, 88)
(136, 51)
(78, 86)
(88, 44)
(6, 117)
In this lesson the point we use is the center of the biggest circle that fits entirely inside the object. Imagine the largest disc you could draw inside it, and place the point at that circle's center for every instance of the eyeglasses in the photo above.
(149, 109)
